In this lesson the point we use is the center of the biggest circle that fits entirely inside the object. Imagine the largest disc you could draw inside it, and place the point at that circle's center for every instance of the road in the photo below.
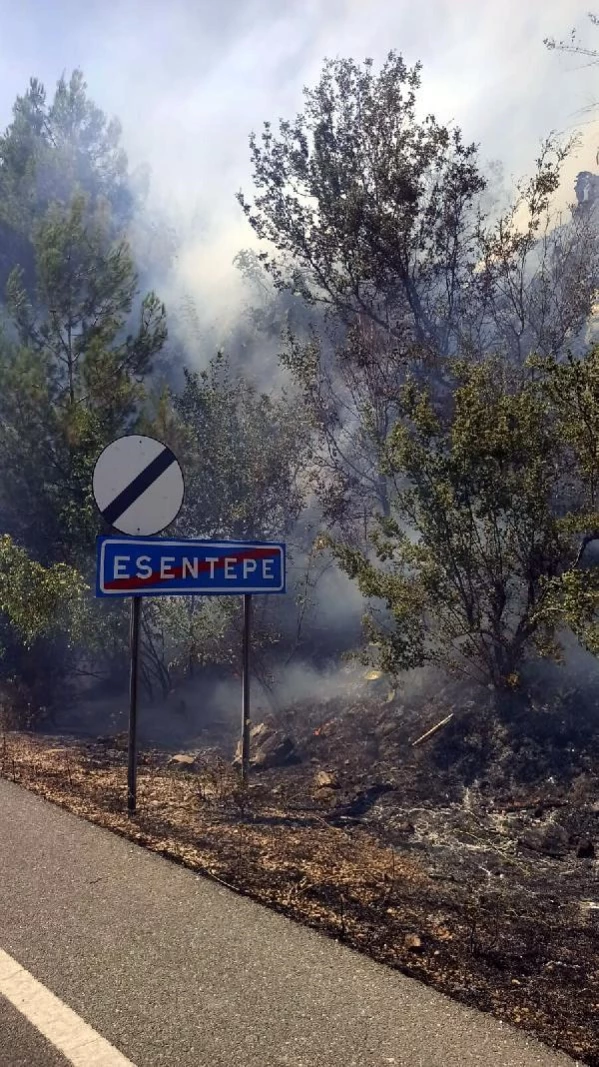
(166, 968)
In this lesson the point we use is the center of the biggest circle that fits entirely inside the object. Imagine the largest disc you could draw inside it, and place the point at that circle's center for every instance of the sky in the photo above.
(189, 80)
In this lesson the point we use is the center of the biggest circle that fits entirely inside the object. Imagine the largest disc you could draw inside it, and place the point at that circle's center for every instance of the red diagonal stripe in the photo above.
(203, 568)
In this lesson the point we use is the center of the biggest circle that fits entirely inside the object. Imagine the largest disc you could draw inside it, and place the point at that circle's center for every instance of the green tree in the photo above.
(245, 454)
(72, 376)
(50, 151)
(45, 616)
(78, 344)
(40, 601)
(480, 529)
(572, 387)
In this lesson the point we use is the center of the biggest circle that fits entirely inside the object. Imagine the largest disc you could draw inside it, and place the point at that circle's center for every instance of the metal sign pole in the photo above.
(132, 753)
(245, 688)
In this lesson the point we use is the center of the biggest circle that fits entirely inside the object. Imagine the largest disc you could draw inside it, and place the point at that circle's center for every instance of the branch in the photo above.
(585, 541)
(433, 730)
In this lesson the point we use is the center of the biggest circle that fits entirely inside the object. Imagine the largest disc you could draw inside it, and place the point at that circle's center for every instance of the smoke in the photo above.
(205, 710)
(191, 80)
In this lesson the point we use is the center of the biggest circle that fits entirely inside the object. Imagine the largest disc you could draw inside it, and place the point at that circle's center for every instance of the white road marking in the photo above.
(61, 1026)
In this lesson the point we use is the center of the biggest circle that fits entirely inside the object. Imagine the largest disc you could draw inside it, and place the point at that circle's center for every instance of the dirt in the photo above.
(467, 862)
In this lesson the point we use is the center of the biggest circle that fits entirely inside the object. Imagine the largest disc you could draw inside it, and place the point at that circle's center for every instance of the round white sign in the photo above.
(138, 485)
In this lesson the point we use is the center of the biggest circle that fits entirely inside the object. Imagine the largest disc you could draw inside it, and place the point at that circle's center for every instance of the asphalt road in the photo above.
(21, 1045)
(173, 969)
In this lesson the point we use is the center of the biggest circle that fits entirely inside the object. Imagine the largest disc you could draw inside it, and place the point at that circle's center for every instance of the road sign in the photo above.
(138, 485)
(137, 566)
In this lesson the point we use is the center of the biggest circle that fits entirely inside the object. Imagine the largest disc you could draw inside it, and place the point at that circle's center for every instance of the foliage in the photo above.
(244, 454)
(572, 387)
(86, 285)
(573, 44)
(384, 264)
(365, 203)
(183, 634)
(71, 378)
(464, 564)
(40, 601)
(78, 342)
(377, 216)
(572, 598)
(52, 148)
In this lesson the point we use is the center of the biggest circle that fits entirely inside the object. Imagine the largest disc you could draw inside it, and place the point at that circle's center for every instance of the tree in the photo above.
(182, 634)
(245, 457)
(79, 346)
(480, 530)
(44, 621)
(39, 601)
(534, 286)
(572, 598)
(71, 377)
(369, 209)
(377, 217)
(244, 454)
(573, 44)
(50, 152)
(86, 285)
(73, 360)
(77, 342)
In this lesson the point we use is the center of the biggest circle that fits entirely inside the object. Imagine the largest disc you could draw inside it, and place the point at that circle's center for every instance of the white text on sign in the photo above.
(141, 567)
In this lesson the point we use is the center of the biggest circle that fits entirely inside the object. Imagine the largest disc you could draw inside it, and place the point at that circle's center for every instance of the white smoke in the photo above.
(190, 80)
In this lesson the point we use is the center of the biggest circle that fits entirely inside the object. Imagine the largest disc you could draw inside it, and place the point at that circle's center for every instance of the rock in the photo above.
(413, 943)
(275, 752)
(325, 729)
(551, 839)
(183, 760)
(260, 731)
(586, 849)
(257, 732)
(325, 780)
(269, 747)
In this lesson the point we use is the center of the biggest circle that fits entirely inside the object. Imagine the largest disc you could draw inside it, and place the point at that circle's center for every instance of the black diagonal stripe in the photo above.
(138, 486)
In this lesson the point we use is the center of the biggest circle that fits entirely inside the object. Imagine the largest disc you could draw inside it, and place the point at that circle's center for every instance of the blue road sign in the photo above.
(156, 566)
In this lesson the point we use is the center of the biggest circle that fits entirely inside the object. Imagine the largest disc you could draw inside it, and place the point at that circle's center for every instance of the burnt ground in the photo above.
(467, 862)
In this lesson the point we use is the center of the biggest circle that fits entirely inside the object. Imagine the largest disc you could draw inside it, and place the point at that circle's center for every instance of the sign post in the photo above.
(138, 487)
(245, 687)
(133, 683)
